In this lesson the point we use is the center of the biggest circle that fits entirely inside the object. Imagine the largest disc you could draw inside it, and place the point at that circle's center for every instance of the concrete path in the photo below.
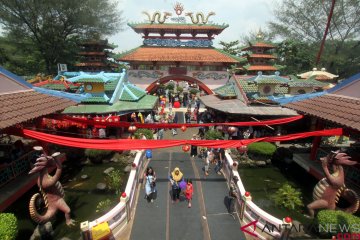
(206, 219)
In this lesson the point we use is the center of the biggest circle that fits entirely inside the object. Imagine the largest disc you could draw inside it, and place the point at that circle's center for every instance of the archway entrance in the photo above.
(178, 78)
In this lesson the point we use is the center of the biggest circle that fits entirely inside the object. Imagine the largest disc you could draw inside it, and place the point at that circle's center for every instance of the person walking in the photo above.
(189, 192)
(175, 178)
(193, 152)
(150, 184)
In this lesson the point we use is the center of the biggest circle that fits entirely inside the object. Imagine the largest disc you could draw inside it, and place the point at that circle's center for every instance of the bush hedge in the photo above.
(213, 135)
(147, 132)
(8, 226)
(338, 218)
(288, 197)
(96, 156)
(263, 149)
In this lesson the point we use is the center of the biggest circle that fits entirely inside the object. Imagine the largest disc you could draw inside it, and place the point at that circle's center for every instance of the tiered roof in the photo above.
(320, 75)
(180, 54)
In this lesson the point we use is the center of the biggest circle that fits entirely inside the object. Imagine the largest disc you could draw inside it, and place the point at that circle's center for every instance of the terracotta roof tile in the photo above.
(338, 109)
(261, 68)
(259, 45)
(165, 54)
(23, 106)
(262, 56)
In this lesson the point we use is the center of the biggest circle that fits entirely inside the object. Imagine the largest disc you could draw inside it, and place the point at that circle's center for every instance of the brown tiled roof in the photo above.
(269, 56)
(334, 108)
(261, 68)
(25, 105)
(164, 54)
(259, 45)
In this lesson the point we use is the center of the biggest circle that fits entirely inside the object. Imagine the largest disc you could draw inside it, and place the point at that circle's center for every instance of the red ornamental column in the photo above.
(317, 140)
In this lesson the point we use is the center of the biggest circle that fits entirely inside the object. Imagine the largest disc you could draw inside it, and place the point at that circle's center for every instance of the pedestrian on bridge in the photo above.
(150, 184)
(175, 178)
(189, 192)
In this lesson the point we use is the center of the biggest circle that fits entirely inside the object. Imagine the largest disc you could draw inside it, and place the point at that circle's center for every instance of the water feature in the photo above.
(81, 195)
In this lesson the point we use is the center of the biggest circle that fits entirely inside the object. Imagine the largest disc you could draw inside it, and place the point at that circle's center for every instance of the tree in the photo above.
(55, 27)
(304, 21)
(232, 47)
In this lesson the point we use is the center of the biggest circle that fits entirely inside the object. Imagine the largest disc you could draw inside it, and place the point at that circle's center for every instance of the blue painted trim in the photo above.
(351, 79)
(72, 96)
(296, 98)
(117, 92)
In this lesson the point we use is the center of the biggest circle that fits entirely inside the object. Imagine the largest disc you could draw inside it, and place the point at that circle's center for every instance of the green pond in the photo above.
(263, 182)
(81, 196)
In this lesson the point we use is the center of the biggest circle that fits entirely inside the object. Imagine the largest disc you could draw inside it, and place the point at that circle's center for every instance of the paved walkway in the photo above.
(207, 219)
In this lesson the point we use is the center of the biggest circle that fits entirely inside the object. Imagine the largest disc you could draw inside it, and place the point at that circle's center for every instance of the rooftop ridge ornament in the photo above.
(178, 8)
(200, 18)
(157, 16)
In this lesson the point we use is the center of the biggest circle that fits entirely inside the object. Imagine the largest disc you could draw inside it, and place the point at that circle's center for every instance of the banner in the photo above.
(134, 144)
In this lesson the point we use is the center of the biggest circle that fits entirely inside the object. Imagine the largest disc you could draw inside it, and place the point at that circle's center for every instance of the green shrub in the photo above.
(114, 180)
(288, 197)
(179, 89)
(170, 86)
(193, 91)
(8, 226)
(96, 156)
(104, 206)
(147, 132)
(213, 135)
(336, 218)
(264, 149)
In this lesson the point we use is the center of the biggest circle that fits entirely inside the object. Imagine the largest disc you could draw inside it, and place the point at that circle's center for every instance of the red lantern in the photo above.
(288, 220)
(247, 194)
(177, 104)
(231, 130)
(133, 165)
(183, 128)
(123, 195)
(96, 119)
(186, 148)
(132, 129)
(116, 118)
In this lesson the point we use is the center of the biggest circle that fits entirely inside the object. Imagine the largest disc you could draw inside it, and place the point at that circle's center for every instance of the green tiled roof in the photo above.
(268, 79)
(248, 88)
(110, 86)
(227, 90)
(145, 103)
(90, 80)
(136, 91)
(309, 82)
(281, 89)
(95, 100)
(58, 87)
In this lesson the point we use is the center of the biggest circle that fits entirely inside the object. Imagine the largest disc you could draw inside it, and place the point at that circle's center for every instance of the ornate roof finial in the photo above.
(179, 8)
(260, 35)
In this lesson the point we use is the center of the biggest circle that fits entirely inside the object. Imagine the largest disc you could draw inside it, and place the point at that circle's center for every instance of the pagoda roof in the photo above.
(268, 56)
(268, 79)
(320, 75)
(258, 45)
(179, 54)
(227, 90)
(260, 68)
(250, 88)
(97, 42)
(147, 102)
(95, 78)
(176, 27)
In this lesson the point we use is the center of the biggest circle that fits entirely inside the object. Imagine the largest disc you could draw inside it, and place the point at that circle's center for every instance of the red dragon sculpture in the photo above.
(328, 190)
(50, 188)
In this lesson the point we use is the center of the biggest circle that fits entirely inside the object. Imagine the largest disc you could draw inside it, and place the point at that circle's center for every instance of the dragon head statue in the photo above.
(338, 158)
(43, 160)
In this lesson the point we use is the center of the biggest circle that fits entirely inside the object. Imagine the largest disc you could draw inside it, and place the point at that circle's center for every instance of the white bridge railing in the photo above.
(248, 210)
(118, 217)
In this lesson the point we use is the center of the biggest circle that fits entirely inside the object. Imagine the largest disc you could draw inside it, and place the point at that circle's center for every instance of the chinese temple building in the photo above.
(260, 57)
(320, 75)
(94, 57)
(179, 49)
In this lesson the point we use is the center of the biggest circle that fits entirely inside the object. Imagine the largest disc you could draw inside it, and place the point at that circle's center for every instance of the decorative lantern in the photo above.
(133, 165)
(123, 195)
(177, 104)
(247, 194)
(116, 118)
(132, 129)
(186, 148)
(231, 130)
(183, 128)
(96, 119)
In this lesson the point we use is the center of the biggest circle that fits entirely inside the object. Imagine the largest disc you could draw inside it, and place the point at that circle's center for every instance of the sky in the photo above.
(241, 15)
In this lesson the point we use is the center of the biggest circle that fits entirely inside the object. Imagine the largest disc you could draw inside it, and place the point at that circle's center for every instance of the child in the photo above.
(189, 192)
(207, 164)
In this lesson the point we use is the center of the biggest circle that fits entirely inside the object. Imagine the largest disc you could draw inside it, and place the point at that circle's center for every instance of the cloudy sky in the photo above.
(241, 15)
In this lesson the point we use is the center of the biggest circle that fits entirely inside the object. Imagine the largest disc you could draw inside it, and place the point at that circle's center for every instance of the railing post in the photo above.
(85, 230)
(286, 229)
(125, 199)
